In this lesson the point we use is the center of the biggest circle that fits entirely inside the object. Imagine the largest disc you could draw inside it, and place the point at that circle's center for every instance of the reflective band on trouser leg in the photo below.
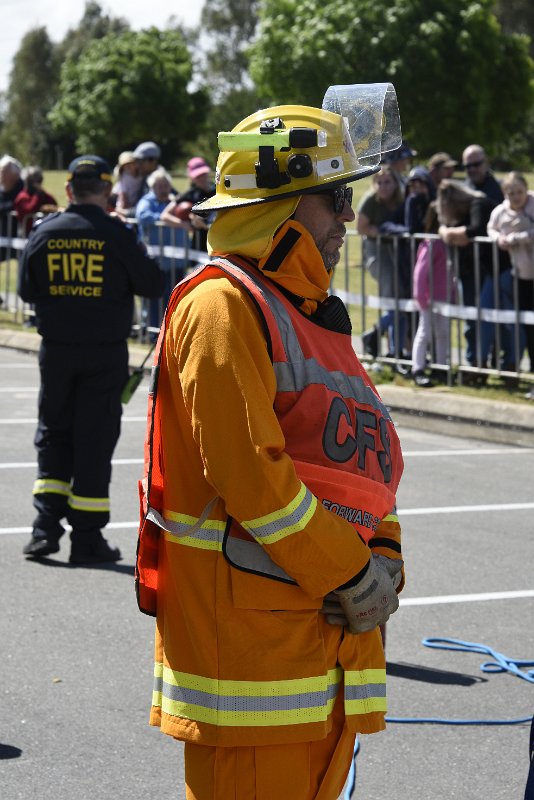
(78, 503)
(51, 486)
(365, 691)
(278, 524)
(230, 703)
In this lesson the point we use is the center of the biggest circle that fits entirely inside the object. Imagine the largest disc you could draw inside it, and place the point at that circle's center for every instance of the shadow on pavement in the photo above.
(8, 751)
(415, 672)
(112, 566)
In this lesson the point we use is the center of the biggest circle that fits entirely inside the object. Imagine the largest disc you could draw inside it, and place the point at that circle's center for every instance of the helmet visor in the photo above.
(371, 114)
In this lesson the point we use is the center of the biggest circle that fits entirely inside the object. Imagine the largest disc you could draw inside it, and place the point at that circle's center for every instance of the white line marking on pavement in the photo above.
(33, 464)
(19, 389)
(411, 512)
(409, 601)
(114, 525)
(493, 451)
(19, 366)
(33, 420)
(464, 598)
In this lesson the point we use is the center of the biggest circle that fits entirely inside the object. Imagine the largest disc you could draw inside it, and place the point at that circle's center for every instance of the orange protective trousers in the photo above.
(302, 771)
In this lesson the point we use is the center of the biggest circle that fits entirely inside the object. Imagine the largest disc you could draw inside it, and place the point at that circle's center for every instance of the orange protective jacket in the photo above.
(272, 467)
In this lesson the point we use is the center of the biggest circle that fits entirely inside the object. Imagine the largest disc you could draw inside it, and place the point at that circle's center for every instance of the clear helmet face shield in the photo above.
(371, 114)
(291, 150)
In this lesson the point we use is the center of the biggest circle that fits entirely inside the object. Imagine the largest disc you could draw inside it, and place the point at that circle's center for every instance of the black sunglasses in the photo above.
(473, 164)
(340, 195)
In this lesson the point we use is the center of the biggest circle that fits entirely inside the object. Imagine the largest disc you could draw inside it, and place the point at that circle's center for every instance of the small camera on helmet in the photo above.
(299, 165)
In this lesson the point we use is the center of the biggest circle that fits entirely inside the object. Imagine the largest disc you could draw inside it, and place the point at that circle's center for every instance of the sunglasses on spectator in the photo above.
(340, 195)
(473, 164)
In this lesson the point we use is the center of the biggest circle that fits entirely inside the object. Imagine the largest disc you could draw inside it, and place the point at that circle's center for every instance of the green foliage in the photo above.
(517, 16)
(230, 25)
(128, 88)
(458, 77)
(33, 82)
(94, 24)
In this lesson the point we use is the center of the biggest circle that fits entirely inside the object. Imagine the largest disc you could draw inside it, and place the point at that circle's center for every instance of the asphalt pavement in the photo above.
(76, 663)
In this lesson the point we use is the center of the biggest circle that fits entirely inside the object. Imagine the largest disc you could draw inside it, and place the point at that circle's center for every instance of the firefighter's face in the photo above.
(316, 213)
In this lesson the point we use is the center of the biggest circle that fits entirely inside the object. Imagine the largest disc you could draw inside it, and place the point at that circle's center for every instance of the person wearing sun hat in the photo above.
(128, 181)
(81, 268)
(201, 188)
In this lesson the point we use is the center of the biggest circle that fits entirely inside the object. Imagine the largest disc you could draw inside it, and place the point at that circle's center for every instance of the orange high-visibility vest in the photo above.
(351, 464)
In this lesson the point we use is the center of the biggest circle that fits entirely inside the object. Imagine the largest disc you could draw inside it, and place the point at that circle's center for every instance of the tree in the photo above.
(93, 25)
(226, 30)
(230, 25)
(128, 88)
(517, 16)
(33, 82)
(458, 77)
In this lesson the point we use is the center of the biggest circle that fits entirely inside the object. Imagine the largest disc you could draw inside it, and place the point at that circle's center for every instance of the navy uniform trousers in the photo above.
(79, 425)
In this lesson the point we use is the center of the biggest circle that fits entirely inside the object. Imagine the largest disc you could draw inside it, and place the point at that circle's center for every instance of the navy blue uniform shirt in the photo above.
(81, 269)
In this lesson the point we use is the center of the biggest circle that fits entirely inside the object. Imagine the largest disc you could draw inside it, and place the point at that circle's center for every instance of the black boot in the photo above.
(90, 547)
(45, 538)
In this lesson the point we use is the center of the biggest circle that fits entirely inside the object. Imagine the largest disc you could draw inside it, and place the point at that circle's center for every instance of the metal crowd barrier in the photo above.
(166, 251)
(359, 291)
(353, 284)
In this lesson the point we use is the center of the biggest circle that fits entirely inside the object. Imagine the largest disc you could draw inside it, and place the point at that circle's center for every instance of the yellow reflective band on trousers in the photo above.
(365, 691)
(185, 530)
(245, 703)
(51, 486)
(278, 524)
(89, 503)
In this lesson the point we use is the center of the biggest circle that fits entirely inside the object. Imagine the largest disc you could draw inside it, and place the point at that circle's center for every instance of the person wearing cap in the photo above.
(81, 269)
(148, 156)
(440, 166)
(270, 475)
(128, 181)
(400, 160)
(201, 188)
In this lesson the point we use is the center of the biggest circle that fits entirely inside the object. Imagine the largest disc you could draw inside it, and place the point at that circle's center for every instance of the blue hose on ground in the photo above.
(500, 663)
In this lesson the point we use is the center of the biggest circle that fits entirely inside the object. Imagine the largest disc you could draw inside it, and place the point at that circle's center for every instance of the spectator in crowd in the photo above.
(479, 174)
(380, 212)
(511, 225)
(127, 188)
(201, 188)
(464, 214)
(32, 199)
(429, 284)
(81, 268)
(148, 155)
(11, 184)
(400, 160)
(148, 213)
(440, 165)
(261, 411)
(418, 196)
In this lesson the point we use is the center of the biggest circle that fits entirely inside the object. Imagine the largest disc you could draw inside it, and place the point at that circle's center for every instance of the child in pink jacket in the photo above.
(429, 285)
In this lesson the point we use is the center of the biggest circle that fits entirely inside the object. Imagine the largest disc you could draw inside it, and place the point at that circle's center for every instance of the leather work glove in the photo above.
(371, 601)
